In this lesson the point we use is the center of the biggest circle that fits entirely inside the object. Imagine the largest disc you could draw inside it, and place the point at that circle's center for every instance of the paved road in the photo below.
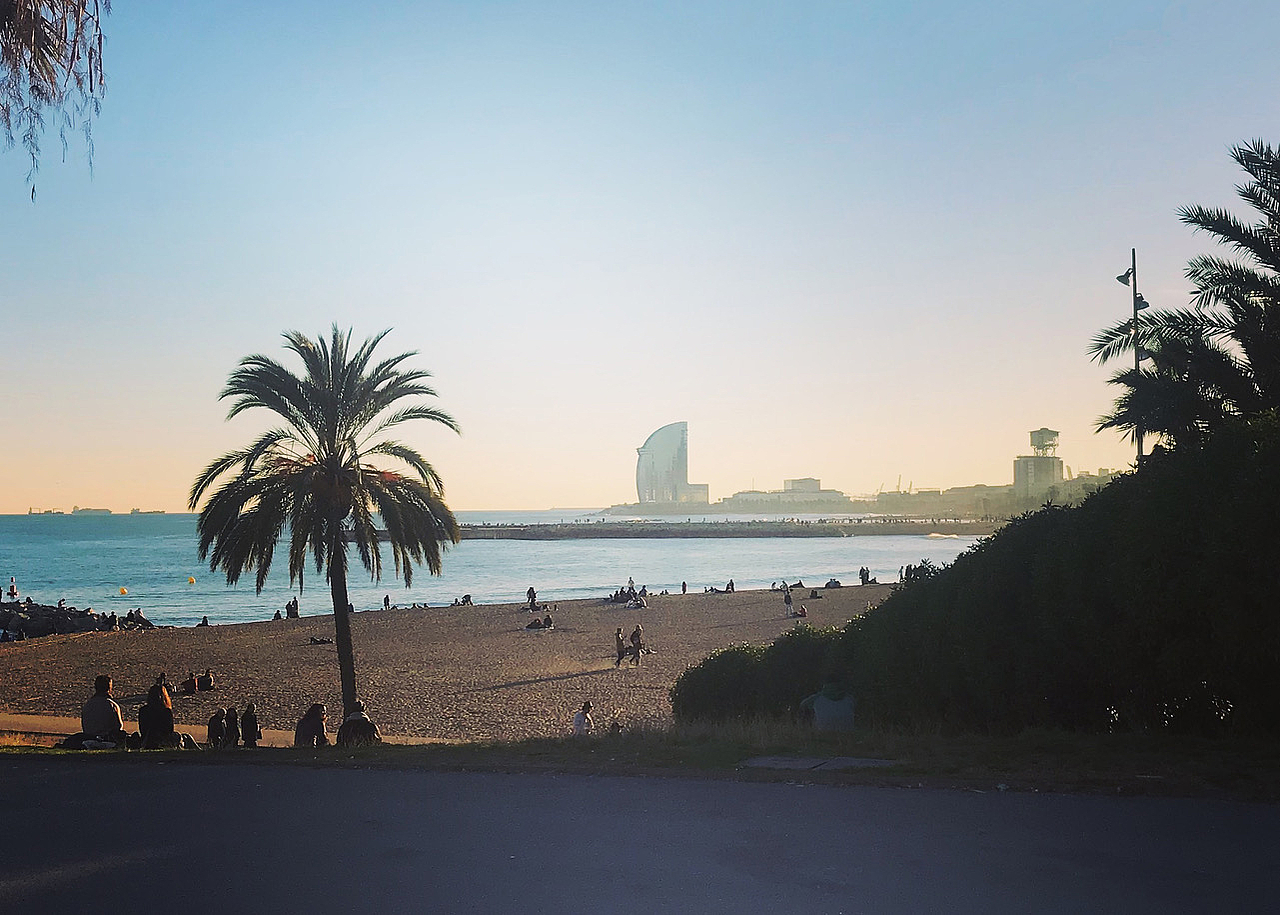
(101, 836)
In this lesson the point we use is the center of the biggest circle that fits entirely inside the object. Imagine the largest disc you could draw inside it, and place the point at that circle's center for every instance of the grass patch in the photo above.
(1035, 760)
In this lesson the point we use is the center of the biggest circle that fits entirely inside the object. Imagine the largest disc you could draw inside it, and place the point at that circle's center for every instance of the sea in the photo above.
(121, 562)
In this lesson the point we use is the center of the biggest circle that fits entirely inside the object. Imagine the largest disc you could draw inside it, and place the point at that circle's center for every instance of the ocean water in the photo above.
(87, 559)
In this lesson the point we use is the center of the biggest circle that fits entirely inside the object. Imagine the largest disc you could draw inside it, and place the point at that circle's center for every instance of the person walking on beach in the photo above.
(637, 644)
(786, 600)
(621, 644)
(533, 598)
(684, 587)
(249, 726)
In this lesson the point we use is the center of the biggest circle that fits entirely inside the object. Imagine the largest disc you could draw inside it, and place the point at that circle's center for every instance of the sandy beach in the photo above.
(453, 673)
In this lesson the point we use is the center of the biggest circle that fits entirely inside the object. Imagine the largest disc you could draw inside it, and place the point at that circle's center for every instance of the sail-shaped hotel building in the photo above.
(662, 470)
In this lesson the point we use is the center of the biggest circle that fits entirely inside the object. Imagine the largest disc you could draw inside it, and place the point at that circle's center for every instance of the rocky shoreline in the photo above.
(29, 620)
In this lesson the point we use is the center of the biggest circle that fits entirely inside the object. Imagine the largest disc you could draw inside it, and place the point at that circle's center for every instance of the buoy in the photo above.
(124, 590)
(190, 580)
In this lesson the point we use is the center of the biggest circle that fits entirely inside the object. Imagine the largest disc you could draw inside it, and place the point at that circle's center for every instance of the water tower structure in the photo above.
(1036, 473)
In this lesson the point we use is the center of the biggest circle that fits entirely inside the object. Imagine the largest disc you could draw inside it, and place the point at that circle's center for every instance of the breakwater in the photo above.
(663, 530)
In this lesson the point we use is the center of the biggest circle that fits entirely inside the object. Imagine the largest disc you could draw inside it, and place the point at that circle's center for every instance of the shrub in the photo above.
(726, 684)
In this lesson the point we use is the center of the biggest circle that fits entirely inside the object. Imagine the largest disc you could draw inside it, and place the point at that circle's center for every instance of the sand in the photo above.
(454, 673)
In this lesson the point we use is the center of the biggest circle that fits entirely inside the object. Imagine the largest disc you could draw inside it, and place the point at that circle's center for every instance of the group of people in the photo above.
(634, 646)
(356, 730)
(227, 730)
(194, 684)
(864, 576)
(102, 724)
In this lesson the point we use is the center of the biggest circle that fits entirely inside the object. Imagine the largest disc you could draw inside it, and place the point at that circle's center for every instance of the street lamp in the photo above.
(1130, 279)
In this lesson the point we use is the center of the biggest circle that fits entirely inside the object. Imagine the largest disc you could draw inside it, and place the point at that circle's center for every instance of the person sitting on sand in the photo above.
(217, 733)
(205, 681)
(310, 729)
(801, 613)
(466, 600)
(188, 686)
(620, 644)
(277, 616)
(547, 622)
(142, 620)
(204, 621)
(249, 726)
(582, 723)
(232, 739)
(100, 716)
(534, 623)
(357, 730)
(155, 720)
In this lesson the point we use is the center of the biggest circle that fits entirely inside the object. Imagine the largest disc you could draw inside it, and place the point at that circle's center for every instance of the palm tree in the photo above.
(50, 60)
(312, 474)
(1219, 357)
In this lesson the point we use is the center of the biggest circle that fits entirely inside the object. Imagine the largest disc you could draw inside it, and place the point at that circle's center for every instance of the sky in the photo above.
(865, 242)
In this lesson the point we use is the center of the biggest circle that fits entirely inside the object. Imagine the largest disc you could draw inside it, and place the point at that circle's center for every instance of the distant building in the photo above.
(662, 469)
(1035, 474)
(805, 484)
(804, 494)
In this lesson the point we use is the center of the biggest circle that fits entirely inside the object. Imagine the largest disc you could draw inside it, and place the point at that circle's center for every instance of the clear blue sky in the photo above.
(852, 241)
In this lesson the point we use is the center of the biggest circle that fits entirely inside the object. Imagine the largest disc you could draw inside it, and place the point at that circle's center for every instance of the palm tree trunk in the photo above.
(342, 634)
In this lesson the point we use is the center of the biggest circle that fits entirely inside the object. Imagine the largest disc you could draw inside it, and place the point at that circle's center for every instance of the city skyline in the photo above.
(851, 243)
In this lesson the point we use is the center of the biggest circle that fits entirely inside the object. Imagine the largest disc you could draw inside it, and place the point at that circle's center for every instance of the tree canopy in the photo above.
(50, 64)
(316, 474)
(1219, 356)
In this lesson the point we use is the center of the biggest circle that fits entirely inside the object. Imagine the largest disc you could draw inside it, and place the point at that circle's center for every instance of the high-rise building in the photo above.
(662, 469)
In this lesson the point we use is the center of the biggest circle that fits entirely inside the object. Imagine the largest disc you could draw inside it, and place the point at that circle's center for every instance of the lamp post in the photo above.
(1130, 279)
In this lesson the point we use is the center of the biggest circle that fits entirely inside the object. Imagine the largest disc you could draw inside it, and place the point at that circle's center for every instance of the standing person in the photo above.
(637, 644)
(310, 729)
(729, 587)
(786, 600)
(533, 598)
(684, 587)
(621, 644)
(13, 589)
(582, 723)
(233, 728)
(249, 726)
(386, 602)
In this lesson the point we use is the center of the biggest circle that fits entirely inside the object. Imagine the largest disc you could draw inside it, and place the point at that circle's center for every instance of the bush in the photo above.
(751, 680)
(1149, 606)
(724, 685)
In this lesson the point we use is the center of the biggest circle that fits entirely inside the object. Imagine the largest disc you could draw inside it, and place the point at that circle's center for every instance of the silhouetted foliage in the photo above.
(1152, 605)
(50, 61)
(1220, 357)
(313, 480)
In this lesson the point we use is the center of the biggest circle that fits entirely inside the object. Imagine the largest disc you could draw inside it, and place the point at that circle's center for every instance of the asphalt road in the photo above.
(100, 836)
